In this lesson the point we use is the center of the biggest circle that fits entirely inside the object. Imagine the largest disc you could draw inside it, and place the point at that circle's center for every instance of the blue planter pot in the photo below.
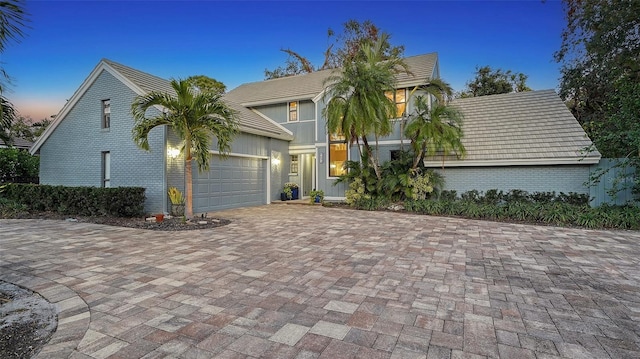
(294, 193)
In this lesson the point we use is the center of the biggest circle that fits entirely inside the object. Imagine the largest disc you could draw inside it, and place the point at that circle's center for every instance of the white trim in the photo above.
(515, 162)
(319, 96)
(335, 198)
(270, 120)
(268, 191)
(278, 100)
(255, 131)
(235, 154)
(320, 144)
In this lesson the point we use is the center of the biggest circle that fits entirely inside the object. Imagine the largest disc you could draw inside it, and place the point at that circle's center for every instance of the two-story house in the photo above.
(527, 141)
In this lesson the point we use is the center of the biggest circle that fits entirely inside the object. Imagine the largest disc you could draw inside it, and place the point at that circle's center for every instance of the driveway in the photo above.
(292, 281)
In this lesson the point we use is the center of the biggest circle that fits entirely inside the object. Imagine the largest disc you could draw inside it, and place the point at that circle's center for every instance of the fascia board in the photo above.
(516, 162)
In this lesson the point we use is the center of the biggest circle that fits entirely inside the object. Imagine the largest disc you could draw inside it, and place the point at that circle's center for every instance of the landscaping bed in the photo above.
(168, 224)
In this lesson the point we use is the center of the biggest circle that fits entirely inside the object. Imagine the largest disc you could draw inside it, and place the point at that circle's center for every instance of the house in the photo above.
(19, 143)
(526, 141)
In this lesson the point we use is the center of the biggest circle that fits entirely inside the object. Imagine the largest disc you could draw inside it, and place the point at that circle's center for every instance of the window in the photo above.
(294, 164)
(399, 97)
(106, 113)
(106, 169)
(293, 111)
(337, 155)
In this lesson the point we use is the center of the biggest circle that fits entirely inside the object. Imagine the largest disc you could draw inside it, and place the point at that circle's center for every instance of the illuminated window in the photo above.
(399, 97)
(106, 113)
(337, 155)
(293, 111)
(294, 164)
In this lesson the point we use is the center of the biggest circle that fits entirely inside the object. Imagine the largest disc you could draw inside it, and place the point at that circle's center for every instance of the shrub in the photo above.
(86, 201)
(18, 166)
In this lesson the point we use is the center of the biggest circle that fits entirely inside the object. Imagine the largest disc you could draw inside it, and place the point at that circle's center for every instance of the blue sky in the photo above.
(234, 41)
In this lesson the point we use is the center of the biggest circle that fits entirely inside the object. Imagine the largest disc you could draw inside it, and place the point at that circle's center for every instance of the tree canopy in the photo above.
(488, 81)
(343, 47)
(600, 57)
(205, 84)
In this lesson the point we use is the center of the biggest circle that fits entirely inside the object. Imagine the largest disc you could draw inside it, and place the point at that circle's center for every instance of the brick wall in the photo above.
(528, 178)
(71, 156)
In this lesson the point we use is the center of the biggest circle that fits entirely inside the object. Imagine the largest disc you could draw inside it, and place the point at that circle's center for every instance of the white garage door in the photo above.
(231, 183)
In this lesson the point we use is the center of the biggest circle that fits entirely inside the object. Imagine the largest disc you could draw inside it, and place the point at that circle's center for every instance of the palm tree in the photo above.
(12, 19)
(435, 127)
(196, 117)
(357, 105)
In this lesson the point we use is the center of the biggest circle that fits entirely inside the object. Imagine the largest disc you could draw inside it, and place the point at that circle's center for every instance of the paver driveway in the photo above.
(286, 281)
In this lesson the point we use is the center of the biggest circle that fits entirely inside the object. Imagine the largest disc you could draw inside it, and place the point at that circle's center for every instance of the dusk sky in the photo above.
(234, 41)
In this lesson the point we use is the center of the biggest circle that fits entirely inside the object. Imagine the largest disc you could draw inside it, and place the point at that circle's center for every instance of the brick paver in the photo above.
(285, 281)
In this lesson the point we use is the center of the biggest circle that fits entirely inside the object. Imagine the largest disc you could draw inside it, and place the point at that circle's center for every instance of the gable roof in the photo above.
(141, 83)
(308, 86)
(534, 128)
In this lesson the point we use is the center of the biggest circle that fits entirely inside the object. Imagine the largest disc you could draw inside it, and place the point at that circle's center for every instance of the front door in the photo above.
(308, 175)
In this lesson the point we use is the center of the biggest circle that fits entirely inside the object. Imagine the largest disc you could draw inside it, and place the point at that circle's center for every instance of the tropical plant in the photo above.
(434, 126)
(316, 194)
(288, 191)
(175, 196)
(12, 19)
(488, 81)
(196, 117)
(357, 105)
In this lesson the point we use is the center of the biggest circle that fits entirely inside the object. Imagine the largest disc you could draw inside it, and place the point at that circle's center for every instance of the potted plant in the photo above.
(316, 196)
(293, 187)
(287, 192)
(177, 202)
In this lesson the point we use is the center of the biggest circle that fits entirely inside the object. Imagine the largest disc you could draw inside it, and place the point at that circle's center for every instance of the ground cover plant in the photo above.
(548, 208)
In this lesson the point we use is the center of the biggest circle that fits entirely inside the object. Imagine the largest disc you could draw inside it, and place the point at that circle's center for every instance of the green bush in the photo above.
(18, 166)
(85, 201)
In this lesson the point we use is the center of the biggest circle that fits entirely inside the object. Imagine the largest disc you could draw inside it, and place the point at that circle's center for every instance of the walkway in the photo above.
(314, 282)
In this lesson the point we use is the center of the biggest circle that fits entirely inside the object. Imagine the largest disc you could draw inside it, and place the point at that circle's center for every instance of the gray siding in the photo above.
(279, 172)
(280, 112)
(566, 178)
(71, 156)
(303, 132)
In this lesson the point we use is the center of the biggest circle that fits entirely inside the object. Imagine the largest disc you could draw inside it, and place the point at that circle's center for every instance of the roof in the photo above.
(308, 86)
(17, 143)
(533, 127)
(142, 83)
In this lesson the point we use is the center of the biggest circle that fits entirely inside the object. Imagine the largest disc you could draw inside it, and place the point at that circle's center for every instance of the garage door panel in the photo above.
(235, 182)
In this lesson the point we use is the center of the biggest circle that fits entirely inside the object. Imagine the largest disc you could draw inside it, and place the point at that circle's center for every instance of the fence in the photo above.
(613, 175)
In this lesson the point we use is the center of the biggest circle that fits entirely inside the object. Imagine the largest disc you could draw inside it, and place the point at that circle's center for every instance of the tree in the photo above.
(357, 105)
(205, 83)
(343, 48)
(492, 82)
(196, 117)
(12, 20)
(25, 128)
(600, 58)
(435, 127)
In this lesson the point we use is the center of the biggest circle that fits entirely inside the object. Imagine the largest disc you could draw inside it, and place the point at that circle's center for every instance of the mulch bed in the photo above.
(172, 224)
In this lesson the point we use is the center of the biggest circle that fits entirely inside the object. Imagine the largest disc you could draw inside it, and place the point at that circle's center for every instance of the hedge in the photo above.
(84, 201)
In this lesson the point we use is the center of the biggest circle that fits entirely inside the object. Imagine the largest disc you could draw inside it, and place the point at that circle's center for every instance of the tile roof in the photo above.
(249, 121)
(310, 85)
(523, 126)
(17, 143)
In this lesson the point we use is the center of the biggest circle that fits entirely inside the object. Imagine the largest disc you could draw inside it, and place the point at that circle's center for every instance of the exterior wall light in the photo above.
(173, 152)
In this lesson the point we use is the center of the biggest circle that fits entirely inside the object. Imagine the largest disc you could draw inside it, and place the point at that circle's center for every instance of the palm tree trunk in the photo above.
(417, 159)
(188, 210)
(188, 171)
(372, 160)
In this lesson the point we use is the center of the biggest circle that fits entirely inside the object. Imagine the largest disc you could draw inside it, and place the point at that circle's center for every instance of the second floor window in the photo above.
(399, 97)
(293, 111)
(294, 164)
(106, 113)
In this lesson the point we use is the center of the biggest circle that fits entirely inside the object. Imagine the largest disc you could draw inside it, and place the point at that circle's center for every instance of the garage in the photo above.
(231, 183)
